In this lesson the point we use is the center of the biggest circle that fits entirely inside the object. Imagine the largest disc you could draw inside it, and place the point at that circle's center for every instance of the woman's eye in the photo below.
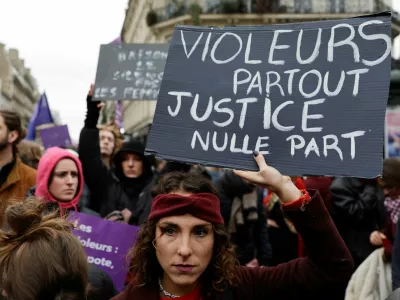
(201, 232)
(170, 231)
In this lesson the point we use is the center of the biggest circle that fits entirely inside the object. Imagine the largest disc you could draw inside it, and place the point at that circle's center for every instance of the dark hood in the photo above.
(133, 186)
(234, 186)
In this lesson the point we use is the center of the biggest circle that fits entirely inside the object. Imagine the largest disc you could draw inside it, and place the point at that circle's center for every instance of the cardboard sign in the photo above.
(130, 71)
(310, 96)
(55, 136)
(106, 244)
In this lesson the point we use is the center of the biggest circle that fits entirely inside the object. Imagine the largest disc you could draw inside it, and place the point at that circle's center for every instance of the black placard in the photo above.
(130, 71)
(310, 96)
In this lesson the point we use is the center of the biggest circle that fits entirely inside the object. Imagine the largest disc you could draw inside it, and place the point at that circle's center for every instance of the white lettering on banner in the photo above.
(274, 82)
(315, 53)
(330, 142)
(137, 74)
(276, 47)
(270, 117)
(307, 89)
(100, 262)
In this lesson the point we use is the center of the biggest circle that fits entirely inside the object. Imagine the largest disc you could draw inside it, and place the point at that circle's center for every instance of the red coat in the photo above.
(328, 264)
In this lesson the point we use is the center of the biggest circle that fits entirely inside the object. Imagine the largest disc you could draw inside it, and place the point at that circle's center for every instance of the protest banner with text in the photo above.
(310, 96)
(55, 136)
(106, 244)
(130, 71)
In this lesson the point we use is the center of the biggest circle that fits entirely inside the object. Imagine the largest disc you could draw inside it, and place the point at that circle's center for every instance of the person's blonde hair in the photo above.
(40, 258)
(114, 129)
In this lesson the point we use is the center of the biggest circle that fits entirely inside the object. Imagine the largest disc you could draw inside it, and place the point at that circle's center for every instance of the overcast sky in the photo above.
(59, 41)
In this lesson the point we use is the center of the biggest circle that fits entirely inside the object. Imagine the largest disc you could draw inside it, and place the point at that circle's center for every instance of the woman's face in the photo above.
(184, 248)
(65, 181)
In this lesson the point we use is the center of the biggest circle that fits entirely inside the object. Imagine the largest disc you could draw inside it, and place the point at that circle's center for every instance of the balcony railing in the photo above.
(177, 8)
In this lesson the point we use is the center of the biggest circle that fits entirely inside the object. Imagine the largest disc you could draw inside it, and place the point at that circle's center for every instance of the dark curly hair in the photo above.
(142, 258)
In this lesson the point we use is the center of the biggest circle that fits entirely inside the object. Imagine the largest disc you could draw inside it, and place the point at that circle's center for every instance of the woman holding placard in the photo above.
(184, 252)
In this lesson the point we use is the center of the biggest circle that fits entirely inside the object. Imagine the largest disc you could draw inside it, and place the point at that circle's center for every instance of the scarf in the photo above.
(243, 210)
(393, 208)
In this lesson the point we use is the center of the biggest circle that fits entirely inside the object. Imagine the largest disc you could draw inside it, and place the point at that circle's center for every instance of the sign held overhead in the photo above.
(310, 96)
(130, 71)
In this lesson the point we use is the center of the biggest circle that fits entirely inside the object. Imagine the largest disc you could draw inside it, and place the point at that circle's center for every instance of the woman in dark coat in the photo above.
(184, 251)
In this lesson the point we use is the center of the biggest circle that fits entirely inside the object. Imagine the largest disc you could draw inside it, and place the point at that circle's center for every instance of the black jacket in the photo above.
(109, 191)
(358, 210)
(252, 238)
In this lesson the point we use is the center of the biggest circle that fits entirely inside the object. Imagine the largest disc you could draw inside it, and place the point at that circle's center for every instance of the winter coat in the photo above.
(251, 239)
(358, 210)
(17, 181)
(372, 280)
(111, 191)
(395, 295)
(321, 184)
(329, 264)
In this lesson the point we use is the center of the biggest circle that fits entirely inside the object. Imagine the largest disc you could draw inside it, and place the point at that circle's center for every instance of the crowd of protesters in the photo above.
(206, 233)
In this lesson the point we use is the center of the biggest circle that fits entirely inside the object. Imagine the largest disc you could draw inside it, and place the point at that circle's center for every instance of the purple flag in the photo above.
(106, 244)
(41, 115)
(119, 114)
(56, 136)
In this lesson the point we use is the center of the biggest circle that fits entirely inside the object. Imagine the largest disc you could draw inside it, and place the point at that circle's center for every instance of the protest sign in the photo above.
(130, 71)
(55, 136)
(392, 144)
(309, 96)
(106, 244)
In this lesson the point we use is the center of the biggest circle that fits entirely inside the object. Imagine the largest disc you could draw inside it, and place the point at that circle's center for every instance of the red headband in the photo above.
(204, 206)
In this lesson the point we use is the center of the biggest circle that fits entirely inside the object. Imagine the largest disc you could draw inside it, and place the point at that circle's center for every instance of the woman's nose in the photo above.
(185, 248)
(69, 179)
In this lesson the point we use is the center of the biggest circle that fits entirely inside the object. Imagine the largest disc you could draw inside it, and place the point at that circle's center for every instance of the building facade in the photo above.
(153, 21)
(19, 90)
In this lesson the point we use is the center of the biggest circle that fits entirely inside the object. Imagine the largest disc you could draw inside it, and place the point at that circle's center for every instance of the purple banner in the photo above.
(56, 136)
(106, 244)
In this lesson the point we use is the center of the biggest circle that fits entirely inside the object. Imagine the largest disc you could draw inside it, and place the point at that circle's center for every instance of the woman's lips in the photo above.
(184, 268)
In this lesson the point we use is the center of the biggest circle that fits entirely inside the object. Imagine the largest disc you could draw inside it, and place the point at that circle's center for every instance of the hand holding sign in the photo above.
(272, 179)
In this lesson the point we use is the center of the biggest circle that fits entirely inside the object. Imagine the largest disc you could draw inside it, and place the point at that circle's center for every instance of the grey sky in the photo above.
(59, 41)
